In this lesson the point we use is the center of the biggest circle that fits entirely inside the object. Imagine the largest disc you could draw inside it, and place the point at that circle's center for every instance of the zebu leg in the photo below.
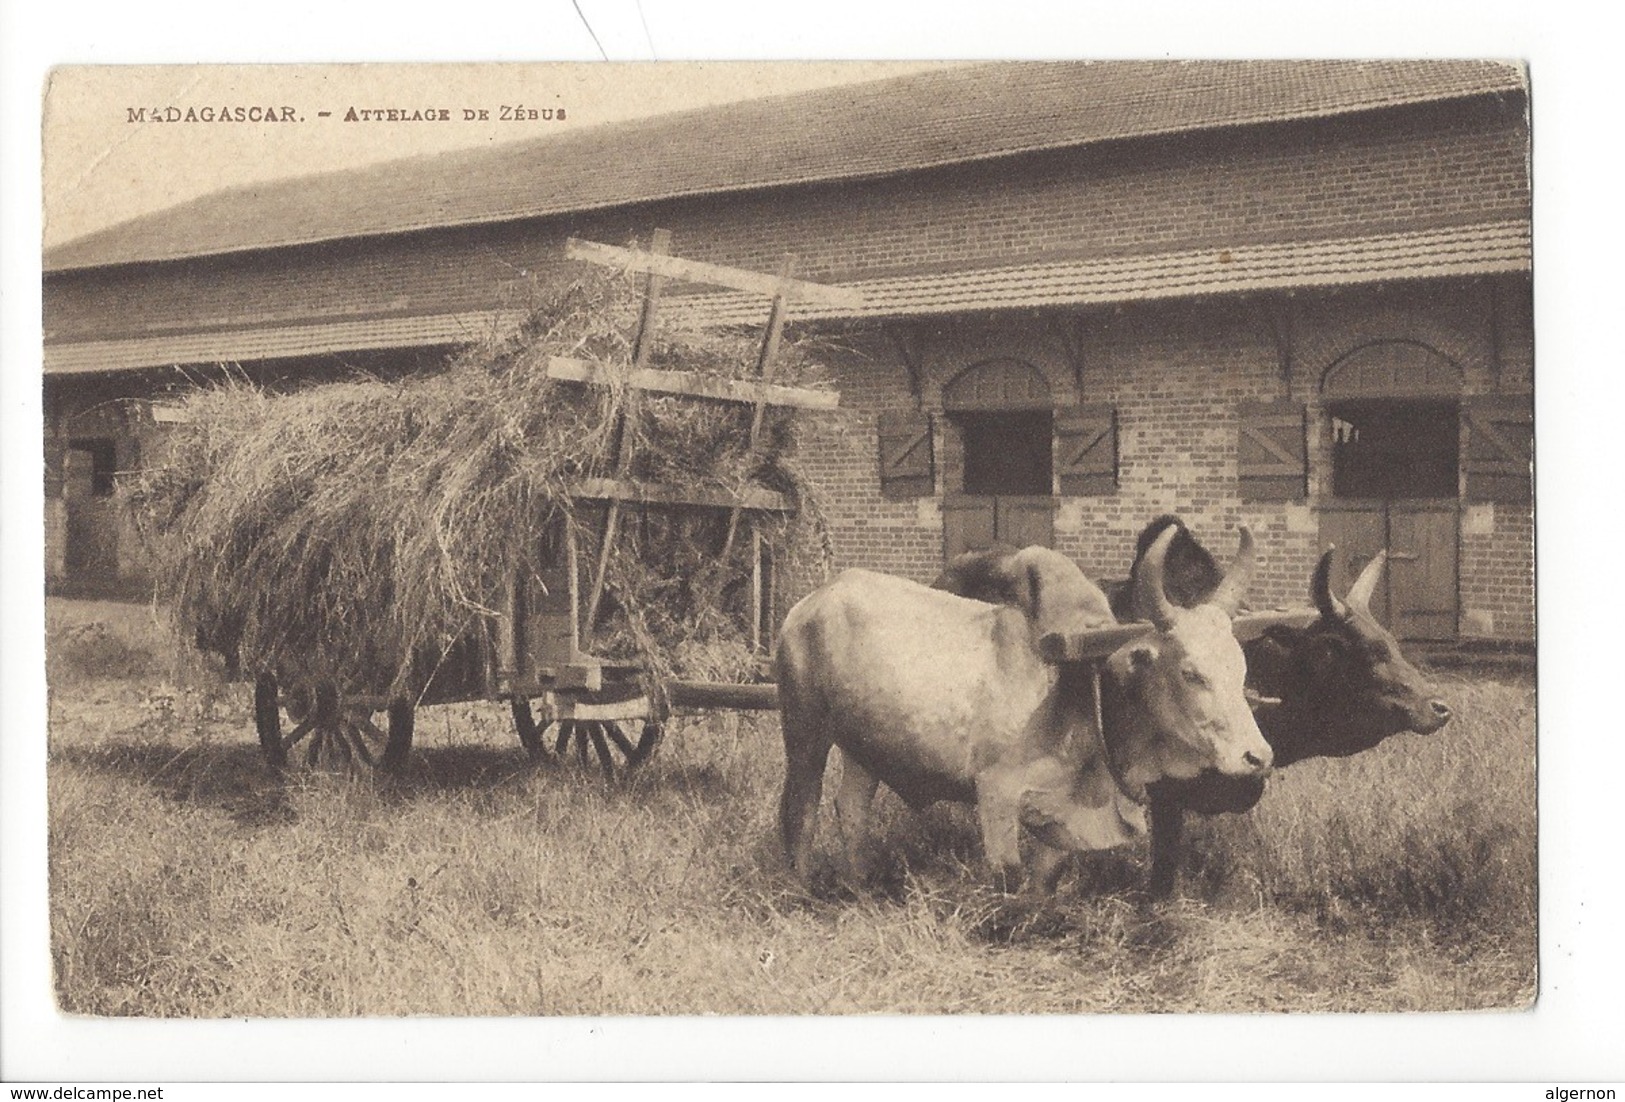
(852, 803)
(1167, 830)
(1048, 862)
(998, 806)
(806, 750)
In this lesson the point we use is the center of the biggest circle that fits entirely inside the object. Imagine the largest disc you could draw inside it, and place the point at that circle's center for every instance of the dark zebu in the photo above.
(1342, 685)
(1331, 689)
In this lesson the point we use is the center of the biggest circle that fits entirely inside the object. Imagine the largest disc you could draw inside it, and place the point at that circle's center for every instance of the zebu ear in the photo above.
(1083, 646)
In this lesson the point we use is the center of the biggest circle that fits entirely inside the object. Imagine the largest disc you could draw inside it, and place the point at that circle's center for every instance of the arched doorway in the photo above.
(1000, 469)
(1395, 411)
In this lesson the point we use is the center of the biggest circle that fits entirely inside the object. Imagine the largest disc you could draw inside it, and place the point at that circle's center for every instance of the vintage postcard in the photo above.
(796, 539)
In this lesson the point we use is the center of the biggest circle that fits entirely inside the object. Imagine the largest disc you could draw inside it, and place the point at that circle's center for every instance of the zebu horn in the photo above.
(1149, 596)
(1366, 584)
(1320, 589)
(1239, 577)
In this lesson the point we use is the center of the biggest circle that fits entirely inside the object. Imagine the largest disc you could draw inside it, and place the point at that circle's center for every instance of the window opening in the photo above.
(1392, 449)
(91, 466)
(1008, 452)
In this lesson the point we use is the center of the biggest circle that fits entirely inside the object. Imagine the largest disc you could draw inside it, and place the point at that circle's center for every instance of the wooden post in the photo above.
(508, 633)
(764, 372)
(659, 245)
(755, 589)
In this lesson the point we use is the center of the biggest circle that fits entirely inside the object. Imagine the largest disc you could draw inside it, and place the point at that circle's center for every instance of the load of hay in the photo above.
(362, 531)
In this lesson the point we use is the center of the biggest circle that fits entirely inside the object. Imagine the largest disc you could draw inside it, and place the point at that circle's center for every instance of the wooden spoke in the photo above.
(622, 743)
(366, 735)
(596, 730)
(402, 720)
(652, 733)
(340, 734)
(296, 734)
(340, 737)
(355, 736)
(566, 729)
(530, 736)
(268, 721)
(614, 750)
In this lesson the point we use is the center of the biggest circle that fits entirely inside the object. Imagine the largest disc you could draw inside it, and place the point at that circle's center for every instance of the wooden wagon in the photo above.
(539, 653)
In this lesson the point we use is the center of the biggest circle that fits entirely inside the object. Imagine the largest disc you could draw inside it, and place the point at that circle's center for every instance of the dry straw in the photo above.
(355, 531)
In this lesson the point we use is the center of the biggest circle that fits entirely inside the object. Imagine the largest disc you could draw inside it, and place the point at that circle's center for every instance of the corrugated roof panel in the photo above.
(854, 131)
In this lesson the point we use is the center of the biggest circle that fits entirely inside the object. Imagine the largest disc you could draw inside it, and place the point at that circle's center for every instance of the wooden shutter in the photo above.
(1272, 457)
(1086, 450)
(1500, 447)
(905, 455)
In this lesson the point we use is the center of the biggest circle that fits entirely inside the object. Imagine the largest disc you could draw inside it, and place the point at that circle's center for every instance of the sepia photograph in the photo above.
(992, 538)
(981, 553)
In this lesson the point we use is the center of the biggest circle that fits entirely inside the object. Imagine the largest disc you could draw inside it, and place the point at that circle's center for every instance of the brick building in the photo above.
(1295, 295)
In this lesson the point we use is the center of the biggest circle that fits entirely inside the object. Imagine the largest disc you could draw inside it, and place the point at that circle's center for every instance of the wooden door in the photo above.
(968, 524)
(1358, 530)
(1025, 521)
(975, 522)
(1416, 598)
(90, 556)
(1422, 569)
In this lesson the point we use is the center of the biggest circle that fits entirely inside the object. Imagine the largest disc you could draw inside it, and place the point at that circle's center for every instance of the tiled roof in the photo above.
(273, 342)
(1484, 249)
(877, 128)
(1460, 251)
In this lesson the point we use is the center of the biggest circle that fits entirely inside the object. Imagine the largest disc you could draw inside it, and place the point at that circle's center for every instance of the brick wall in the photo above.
(1176, 373)
(1412, 168)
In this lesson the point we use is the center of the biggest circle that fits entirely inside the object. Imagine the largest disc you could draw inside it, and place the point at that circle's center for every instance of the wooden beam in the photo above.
(628, 417)
(615, 489)
(566, 707)
(765, 363)
(691, 383)
(716, 275)
(719, 694)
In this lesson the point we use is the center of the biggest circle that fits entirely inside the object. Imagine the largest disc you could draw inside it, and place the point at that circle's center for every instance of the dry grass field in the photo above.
(188, 880)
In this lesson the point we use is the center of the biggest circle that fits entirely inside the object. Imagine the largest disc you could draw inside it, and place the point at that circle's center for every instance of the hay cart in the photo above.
(538, 653)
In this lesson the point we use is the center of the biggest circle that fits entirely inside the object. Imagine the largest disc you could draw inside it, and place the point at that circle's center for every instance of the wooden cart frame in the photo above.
(542, 662)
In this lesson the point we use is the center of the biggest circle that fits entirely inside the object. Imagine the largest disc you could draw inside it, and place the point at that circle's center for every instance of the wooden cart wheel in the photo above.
(333, 732)
(530, 735)
(606, 742)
